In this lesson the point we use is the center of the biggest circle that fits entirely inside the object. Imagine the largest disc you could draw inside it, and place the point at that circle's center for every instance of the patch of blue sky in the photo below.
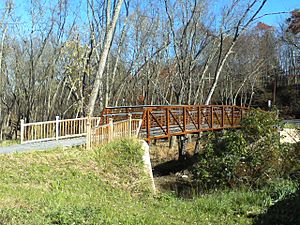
(274, 6)
(78, 7)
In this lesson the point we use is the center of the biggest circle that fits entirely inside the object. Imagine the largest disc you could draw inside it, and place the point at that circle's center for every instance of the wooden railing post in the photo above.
(130, 124)
(88, 134)
(139, 127)
(232, 116)
(57, 128)
(184, 119)
(22, 131)
(223, 116)
(168, 122)
(241, 116)
(212, 117)
(110, 129)
(148, 128)
(199, 117)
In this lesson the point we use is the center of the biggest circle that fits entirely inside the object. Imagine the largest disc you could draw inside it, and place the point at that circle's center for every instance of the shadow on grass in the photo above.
(168, 180)
(284, 212)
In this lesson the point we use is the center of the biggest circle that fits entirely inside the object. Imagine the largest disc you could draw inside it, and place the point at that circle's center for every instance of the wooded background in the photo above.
(72, 60)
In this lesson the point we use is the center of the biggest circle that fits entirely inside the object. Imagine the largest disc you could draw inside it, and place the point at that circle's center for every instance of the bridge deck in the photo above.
(165, 121)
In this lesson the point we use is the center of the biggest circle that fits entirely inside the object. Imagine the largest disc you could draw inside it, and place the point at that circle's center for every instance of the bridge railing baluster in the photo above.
(167, 120)
(211, 117)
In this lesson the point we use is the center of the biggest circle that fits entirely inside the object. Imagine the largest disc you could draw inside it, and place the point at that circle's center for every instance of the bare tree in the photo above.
(104, 54)
(241, 25)
(294, 22)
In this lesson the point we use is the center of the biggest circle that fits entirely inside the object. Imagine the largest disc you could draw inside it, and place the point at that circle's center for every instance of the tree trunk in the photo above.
(103, 58)
(218, 73)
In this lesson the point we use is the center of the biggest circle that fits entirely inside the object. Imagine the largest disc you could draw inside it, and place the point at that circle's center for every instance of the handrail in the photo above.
(155, 122)
(55, 129)
(103, 134)
(163, 121)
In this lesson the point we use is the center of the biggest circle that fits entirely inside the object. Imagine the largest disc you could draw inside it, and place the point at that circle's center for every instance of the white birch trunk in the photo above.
(103, 58)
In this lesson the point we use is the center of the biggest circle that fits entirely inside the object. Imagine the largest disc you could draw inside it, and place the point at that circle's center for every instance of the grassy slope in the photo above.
(73, 186)
(9, 142)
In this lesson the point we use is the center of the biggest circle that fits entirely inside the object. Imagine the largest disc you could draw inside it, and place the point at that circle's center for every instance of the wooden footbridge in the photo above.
(149, 122)
(162, 122)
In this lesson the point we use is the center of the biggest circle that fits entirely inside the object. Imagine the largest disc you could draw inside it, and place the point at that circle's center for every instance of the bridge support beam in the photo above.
(172, 142)
(197, 145)
(182, 143)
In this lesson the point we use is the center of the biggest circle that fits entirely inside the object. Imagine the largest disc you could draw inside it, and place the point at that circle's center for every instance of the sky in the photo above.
(278, 6)
(272, 6)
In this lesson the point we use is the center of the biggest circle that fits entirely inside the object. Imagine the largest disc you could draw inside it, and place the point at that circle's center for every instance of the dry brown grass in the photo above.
(160, 152)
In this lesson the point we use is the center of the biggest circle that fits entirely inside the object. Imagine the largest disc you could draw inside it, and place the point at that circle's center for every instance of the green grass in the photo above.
(9, 142)
(291, 126)
(108, 186)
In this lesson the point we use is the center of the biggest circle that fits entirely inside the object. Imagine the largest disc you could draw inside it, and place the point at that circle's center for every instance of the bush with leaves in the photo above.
(251, 156)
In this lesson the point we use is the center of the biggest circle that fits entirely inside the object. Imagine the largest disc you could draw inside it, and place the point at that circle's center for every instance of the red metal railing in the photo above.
(164, 121)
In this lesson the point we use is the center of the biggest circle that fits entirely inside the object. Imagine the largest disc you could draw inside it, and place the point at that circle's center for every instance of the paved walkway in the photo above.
(289, 135)
(42, 145)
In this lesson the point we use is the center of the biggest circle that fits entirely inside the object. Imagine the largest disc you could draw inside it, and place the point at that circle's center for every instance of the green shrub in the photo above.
(251, 156)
